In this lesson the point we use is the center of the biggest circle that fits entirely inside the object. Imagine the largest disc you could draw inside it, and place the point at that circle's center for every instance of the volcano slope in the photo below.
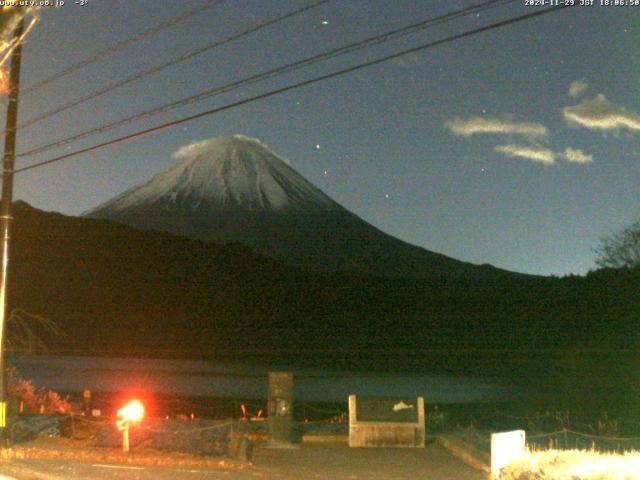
(236, 189)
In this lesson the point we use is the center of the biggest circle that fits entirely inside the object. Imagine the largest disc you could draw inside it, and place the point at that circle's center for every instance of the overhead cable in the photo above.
(294, 86)
(153, 70)
(272, 73)
(119, 46)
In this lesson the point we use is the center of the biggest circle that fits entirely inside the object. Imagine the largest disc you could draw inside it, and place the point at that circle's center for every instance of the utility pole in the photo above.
(5, 213)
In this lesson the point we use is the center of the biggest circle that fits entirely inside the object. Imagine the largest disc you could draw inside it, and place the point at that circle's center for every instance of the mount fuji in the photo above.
(237, 190)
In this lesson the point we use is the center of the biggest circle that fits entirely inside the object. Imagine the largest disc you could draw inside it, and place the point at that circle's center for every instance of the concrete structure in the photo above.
(280, 408)
(386, 422)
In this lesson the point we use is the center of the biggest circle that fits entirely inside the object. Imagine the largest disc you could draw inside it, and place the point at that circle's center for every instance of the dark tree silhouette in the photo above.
(621, 249)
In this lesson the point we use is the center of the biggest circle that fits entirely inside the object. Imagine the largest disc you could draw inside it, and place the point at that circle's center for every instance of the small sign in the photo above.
(506, 447)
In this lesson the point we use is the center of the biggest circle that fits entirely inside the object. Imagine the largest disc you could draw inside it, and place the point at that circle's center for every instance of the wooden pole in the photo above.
(5, 213)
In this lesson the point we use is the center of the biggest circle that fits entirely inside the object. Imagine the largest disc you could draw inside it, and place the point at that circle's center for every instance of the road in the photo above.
(310, 461)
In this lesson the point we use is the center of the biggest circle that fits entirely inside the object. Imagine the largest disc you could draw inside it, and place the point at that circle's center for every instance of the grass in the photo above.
(44, 448)
(80, 448)
(574, 465)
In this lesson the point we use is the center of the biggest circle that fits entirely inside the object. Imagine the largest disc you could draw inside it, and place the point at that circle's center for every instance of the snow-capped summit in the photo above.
(236, 189)
(220, 174)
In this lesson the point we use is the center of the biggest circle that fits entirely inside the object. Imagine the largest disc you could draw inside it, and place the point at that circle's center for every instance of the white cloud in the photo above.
(577, 87)
(474, 125)
(600, 114)
(544, 155)
(575, 155)
(536, 154)
(194, 148)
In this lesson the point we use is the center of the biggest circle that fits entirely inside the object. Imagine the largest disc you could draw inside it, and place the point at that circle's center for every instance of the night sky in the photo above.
(516, 147)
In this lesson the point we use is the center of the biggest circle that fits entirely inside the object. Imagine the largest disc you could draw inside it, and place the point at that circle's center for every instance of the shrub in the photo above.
(35, 400)
(573, 465)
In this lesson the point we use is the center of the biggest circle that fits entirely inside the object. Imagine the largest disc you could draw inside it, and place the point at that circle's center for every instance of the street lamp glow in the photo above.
(131, 412)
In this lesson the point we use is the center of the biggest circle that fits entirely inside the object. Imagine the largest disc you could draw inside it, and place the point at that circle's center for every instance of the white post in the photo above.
(125, 440)
(506, 447)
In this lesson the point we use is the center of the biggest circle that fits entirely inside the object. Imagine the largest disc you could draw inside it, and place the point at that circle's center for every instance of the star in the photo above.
(386, 195)
(318, 146)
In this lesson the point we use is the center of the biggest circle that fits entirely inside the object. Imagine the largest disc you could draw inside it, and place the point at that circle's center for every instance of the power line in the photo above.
(120, 46)
(288, 88)
(272, 73)
(182, 58)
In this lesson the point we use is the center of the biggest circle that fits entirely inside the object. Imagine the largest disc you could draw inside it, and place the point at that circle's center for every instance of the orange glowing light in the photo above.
(131, 412)
(4, 81)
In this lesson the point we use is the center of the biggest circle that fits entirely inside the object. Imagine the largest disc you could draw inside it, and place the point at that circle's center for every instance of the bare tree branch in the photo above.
(28, 333)
(621, 249)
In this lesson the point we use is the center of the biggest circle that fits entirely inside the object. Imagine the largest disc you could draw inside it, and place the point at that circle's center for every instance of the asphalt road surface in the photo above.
(310, 461)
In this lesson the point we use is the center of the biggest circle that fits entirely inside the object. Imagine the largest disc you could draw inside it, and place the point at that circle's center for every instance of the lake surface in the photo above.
(199, 378)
